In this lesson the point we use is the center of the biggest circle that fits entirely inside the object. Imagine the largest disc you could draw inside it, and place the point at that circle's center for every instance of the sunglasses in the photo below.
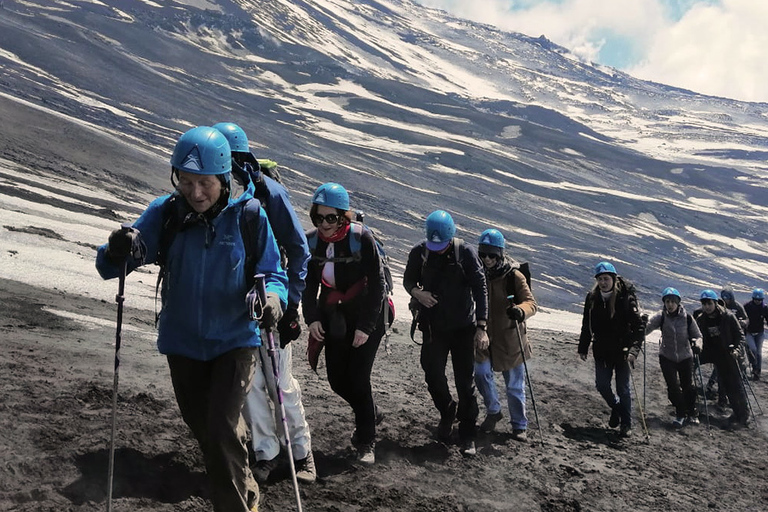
(331, 218)
(491, 255)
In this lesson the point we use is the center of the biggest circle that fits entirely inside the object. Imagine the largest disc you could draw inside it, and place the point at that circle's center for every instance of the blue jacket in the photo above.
(289, 234)
(204, 312)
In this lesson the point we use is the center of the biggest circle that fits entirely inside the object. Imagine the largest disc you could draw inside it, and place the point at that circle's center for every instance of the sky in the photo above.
(714, 47)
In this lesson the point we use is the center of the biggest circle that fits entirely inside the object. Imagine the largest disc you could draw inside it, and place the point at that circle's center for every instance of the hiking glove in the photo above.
(288, 327)
(273, 310)
(123, 243)
(631, 360)
(696, 349)
(515, 313)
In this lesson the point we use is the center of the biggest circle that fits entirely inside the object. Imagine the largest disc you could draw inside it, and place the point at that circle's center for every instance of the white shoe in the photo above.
(366, 454)
(305, 469)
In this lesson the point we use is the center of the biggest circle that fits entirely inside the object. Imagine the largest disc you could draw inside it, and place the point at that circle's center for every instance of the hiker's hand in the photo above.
(272, 311)
(424, 297)
(288, 327)
(735, 353)
(696, 349)
(124, 242)
(583, 357)
(515, 313)
(360, 339)
(631, 360)
(644, 320)
(481, 339)
(316, 330)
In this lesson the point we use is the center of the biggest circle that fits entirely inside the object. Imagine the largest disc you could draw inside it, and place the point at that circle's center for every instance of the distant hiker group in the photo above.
(236, 264)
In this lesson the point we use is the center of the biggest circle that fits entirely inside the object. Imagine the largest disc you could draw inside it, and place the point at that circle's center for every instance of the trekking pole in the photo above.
(751, 389)
(510, 298)
(744, 385)
(701, 381)
(119, 299)
(262, 291)
(642, 412)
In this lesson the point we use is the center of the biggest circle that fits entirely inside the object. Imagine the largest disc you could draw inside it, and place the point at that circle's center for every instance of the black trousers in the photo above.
(460, 344)
(680, 388)
(728, 368)
(349, 374)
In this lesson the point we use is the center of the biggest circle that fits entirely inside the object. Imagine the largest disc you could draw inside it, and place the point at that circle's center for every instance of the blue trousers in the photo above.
(515, 390)
(604, 371)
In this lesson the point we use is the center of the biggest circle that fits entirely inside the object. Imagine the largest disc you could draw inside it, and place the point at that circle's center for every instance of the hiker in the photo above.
(204, 326)
(679, 336)
(757, 314)
(722, 336)
(729, 299)
(262, 417)
(446, 278)
(612, 324)
(342, 306)
(507, 334)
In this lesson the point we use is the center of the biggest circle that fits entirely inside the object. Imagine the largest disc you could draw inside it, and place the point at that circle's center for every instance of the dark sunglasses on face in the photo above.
(331, 218)
(488, 255)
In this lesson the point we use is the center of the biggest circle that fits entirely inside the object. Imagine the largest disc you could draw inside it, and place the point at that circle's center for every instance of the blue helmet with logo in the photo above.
(202, 150)
(708, 295)
(238, 141)
(440, 230)
(758, 293)
(604, 268)
(492, 237)
(332, 195)
(670, 292)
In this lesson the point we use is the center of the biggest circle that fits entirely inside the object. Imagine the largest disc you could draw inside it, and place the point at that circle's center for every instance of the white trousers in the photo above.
(262, 408)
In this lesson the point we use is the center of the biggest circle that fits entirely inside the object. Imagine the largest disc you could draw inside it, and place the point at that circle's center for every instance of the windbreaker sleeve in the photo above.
(473, 269)
(694, 333)
(586, 329)
(374, 273)
(524, 297)
(268, 260)
(654, 323)
(149, 226)
(290, 236)
(412, 273)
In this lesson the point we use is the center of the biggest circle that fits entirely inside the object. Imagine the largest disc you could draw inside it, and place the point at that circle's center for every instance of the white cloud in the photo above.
(709, 46)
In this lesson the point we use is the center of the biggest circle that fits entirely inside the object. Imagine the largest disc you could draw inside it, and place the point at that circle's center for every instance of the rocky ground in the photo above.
(55, 414)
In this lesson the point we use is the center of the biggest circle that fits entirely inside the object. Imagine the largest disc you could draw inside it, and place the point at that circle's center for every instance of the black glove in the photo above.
(515, 313)
(273, 310)
(289, 327)
(644, 319)
(123, 243)
(696, 349)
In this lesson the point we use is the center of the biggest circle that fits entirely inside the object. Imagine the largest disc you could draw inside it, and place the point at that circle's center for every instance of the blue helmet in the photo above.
(670, 291)
(758, 293)
(492, 237)
(708, 295)
(238, 141)
(440, 230)
(333, 195)
(604, 268)
(202, 150)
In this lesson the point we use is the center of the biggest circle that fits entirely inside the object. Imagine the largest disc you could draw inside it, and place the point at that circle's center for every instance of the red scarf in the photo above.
(337, 236)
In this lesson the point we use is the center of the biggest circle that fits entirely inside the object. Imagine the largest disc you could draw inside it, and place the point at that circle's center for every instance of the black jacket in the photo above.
(612, 337)
(460, 286)
(721, 334)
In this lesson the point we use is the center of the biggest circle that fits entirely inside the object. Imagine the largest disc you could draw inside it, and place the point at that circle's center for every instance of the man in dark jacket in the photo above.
(757, 313)
(722, 336)
(612, 324)
(446, 277)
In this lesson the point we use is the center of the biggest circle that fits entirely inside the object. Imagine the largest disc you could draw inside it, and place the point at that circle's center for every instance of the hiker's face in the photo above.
(326, 229)
(200, 190)
(708, 306)
(605, 282)
(671, 304)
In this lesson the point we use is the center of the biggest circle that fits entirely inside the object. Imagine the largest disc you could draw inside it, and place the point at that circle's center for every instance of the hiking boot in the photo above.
(468, 448)
(626, 431)
(305, 469)
(615, 417)
(263, 468)
(366, 453)
(678, 422)
(490, 421)
(445, 427)
(520, 434)
(692, 420)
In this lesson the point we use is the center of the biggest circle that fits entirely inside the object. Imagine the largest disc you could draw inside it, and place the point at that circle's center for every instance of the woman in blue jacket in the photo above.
(205, 328)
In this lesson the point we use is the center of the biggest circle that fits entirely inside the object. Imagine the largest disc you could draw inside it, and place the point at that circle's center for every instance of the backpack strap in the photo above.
(249, 231)
(356, 233)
